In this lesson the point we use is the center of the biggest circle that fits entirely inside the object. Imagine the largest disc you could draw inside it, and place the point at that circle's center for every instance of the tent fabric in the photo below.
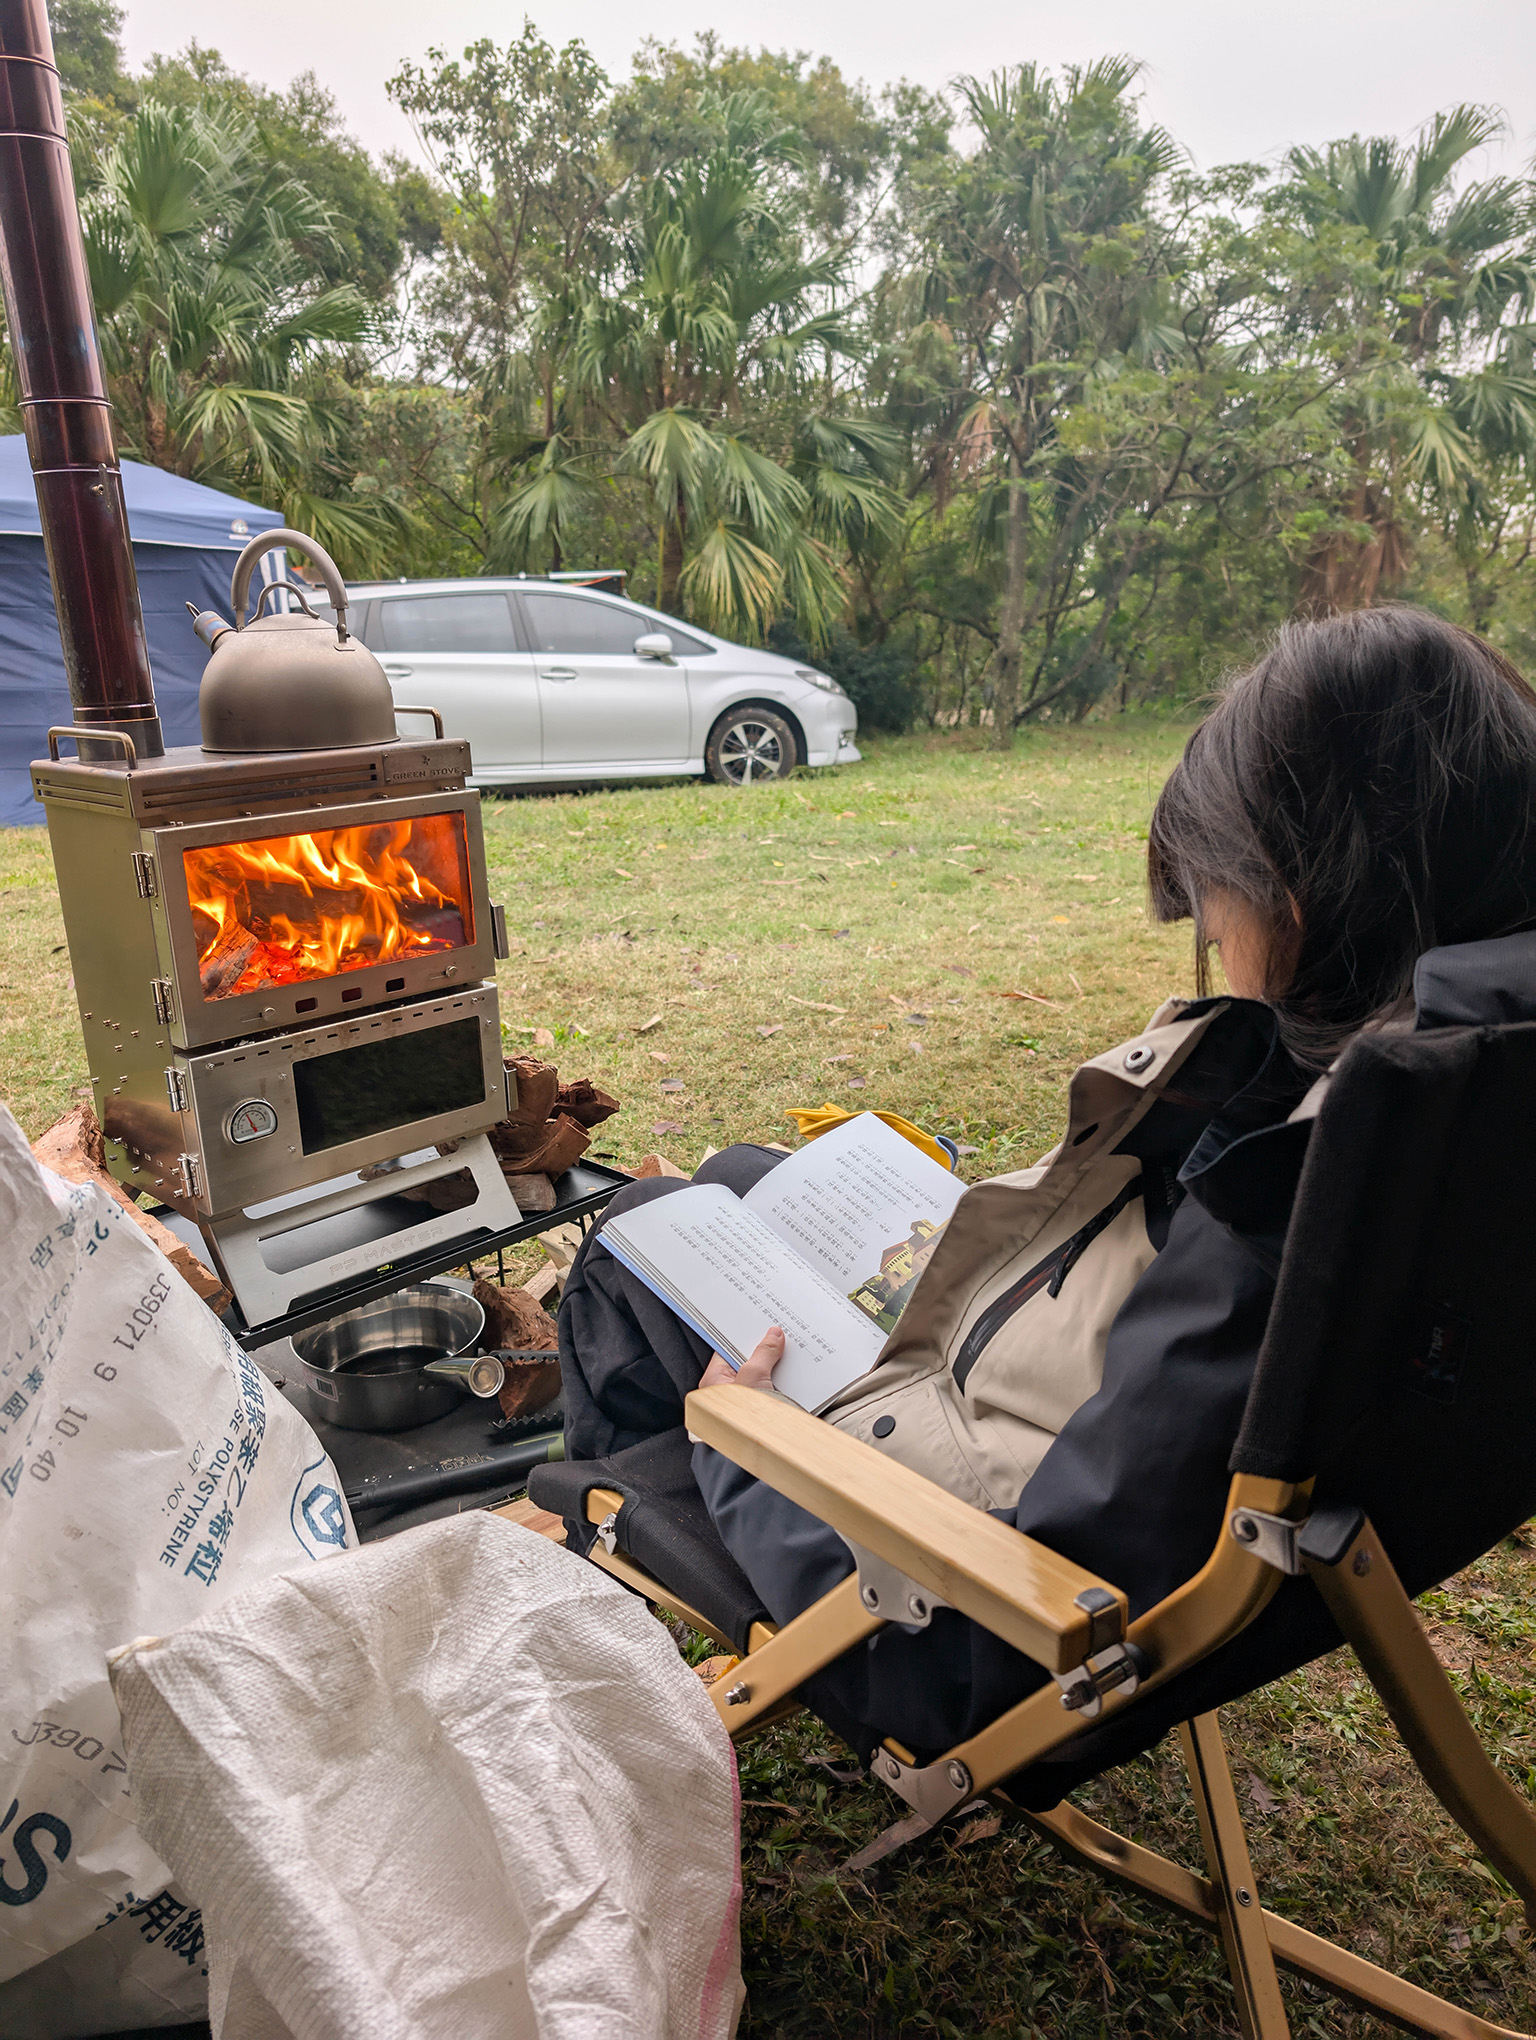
(185, 538)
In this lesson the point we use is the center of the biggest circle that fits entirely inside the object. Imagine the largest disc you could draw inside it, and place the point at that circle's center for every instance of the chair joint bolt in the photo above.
(885, 1590)
(608, 1532)
(931, 1790)
(1120, 1668)
(1274, 1539)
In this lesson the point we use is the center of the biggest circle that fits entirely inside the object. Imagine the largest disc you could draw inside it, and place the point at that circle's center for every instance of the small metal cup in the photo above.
(482, 1375)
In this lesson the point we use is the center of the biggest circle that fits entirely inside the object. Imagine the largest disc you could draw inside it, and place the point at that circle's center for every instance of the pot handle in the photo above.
(269, 541)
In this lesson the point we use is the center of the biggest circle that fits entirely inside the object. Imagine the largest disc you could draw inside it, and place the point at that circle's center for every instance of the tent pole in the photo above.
(64, 407)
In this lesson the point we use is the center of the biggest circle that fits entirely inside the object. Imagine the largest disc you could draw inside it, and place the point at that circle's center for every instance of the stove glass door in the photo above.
(284, 910)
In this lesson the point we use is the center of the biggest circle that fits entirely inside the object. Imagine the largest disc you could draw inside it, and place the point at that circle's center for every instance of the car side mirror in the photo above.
(653, 644)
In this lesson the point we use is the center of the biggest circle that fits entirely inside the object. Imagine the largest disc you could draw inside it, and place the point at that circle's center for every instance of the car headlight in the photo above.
(822, 680)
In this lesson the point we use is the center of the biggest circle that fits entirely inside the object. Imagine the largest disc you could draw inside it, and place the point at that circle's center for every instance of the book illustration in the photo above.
(884, 1296)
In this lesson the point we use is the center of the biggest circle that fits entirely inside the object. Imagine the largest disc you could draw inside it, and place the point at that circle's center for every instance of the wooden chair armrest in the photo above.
(1020, 1590)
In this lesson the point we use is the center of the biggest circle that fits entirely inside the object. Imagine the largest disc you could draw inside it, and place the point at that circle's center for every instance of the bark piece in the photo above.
(583, 1101)
(73, 1148)
(658, 1165)
(512, 1318)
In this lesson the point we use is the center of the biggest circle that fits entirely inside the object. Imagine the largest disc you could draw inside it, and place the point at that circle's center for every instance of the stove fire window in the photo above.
(356, 1092)
(281, 910)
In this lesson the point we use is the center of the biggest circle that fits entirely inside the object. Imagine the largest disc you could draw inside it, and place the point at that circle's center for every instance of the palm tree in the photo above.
(699, 371)
(1437, 279)
(210, 313)
(1043, 274)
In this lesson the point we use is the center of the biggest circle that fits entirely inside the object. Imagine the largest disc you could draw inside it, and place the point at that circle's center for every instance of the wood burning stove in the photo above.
(285, 969)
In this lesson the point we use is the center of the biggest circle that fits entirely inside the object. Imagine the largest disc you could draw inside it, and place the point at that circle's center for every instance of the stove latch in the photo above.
(176, 1088)
(165, 1000)
(499, 943)
(144, 875)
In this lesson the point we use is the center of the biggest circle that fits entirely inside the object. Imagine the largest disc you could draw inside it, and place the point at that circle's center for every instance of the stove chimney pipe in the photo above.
(64, 406)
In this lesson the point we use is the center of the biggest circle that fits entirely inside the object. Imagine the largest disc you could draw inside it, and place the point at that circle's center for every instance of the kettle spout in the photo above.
(208, 625)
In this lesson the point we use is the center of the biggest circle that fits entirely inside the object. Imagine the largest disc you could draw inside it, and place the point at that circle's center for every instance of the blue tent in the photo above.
(185, 539)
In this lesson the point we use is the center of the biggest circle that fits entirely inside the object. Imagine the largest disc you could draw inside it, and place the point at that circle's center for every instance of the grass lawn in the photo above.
(853, 937)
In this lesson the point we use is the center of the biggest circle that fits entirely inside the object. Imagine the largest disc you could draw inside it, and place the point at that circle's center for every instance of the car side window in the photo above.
(445, 623)
(573, 625)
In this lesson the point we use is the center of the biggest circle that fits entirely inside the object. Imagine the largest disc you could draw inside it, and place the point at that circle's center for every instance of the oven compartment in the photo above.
(301, 916)
(263, 1118)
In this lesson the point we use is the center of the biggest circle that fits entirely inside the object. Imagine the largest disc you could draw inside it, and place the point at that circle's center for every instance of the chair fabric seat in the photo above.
(663, 1526)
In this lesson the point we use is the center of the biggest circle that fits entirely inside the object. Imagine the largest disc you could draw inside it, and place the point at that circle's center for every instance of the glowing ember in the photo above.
(288, 908)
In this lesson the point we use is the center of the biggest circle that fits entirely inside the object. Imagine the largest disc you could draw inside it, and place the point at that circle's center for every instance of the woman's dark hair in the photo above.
(1369, 788)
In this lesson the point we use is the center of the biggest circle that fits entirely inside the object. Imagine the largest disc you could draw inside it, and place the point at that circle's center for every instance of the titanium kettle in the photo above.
(287, 682)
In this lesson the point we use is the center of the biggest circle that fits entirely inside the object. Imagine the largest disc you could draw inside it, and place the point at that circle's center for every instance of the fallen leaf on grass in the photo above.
(542, 1038)
(668, 1126)
(828, 1060)
(956, 848)
(776, 1028)
(979, 1830)
(1260, 1798)
(1039, 1001)
(646, 1025)
(1076, 982)
(1063, 919)
(660, 1055)
(917, 1048)
(857, 1084)
(622, 873)
(957, 970)
(672, 1084)
(975, 925)
(815, 1005)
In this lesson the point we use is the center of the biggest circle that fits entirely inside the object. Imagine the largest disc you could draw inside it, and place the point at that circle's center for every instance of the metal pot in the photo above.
(366, 1370)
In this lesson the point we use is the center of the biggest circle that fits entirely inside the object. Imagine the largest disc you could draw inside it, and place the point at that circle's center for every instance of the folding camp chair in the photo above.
(1389, 1439)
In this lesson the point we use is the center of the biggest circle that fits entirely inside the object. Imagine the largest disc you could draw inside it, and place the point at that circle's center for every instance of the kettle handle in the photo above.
(268, 541)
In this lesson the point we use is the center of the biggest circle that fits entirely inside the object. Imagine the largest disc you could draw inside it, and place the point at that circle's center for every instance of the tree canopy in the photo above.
(986, 400)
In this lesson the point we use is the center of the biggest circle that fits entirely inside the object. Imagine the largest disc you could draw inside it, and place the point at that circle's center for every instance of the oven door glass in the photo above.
(355, 1092)
(281, 910)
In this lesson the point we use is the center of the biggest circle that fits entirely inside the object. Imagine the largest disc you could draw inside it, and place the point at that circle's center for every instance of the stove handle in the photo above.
(413, 708)
(97, 736)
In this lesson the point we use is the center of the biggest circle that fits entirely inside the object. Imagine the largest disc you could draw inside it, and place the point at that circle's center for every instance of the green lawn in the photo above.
(851, 937)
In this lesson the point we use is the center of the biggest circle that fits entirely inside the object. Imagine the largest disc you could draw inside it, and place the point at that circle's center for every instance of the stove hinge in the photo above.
(191, 1175)
(176, 1088)
(165, 1000)
(501, 948)
(144, 875)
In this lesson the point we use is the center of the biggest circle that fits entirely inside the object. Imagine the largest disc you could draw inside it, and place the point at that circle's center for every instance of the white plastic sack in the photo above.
(146, 1473)
(457, 1786)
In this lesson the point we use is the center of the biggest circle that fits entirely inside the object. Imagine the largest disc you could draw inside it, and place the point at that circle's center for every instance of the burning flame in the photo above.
(287, 908)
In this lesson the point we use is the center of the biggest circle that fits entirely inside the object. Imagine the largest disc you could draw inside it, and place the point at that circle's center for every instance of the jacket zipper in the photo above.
(1049, 1274)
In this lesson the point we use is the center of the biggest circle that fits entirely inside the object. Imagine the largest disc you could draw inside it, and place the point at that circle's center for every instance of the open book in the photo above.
(829, 1245)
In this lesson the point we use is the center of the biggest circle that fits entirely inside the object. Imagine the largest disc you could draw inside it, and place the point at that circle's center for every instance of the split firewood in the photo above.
(540, 1284)
(224, 964)
(527, 1385)
(585, 1103)
(562, 1243)
(74, 1149)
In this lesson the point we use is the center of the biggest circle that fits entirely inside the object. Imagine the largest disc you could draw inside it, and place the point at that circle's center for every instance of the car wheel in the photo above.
(748, 744)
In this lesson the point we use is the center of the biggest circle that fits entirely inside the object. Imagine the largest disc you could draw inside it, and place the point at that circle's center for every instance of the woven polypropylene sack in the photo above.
(147, 1472)
(457, 1786)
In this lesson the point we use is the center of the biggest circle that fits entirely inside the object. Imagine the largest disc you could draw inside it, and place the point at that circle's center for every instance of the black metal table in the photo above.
(579, 1195)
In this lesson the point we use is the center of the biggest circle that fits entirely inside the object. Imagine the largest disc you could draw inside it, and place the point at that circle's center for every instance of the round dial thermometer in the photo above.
(252, 1120)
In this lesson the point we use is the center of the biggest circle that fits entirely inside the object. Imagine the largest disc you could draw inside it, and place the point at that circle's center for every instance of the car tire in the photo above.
(749, 744)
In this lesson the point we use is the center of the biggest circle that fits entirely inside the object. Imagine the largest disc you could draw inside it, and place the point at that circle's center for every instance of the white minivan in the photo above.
(555, 681)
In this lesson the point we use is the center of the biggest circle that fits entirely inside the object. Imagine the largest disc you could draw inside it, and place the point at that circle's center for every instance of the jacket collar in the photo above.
(1477, 984)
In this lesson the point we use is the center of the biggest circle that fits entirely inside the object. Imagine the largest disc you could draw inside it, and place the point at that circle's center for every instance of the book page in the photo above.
(864, 1208)
(730, 1277)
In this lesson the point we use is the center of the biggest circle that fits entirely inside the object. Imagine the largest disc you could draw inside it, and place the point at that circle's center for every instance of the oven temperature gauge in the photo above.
(252, 1121)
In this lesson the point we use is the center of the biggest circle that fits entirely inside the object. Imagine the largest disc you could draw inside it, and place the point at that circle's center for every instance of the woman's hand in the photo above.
(756, 1371)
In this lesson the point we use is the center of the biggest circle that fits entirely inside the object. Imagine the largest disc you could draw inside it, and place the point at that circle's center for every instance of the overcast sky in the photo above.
(1231, 81)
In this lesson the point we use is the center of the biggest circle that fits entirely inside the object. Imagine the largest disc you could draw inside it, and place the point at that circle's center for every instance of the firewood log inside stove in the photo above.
(226, 961)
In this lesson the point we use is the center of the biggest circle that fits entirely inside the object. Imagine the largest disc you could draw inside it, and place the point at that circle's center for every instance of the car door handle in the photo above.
(557, 673)
(397, 672)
